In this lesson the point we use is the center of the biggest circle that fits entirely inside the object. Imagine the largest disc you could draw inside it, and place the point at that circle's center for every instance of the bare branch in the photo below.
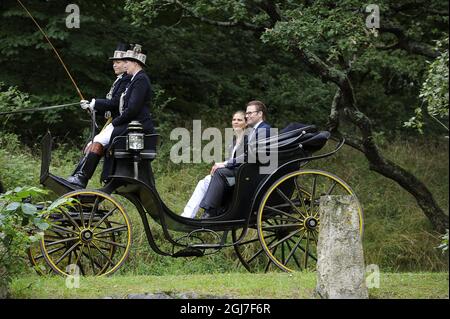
(333, 118)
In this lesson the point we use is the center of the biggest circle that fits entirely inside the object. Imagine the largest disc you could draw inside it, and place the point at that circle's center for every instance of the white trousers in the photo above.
(193, 204)
(104, 136)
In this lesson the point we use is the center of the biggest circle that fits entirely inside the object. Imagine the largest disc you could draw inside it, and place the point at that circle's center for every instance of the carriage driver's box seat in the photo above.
(296, 140)
(130, 163)
(124, 162)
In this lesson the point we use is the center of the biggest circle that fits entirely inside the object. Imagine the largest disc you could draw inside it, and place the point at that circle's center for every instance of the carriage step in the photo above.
(189, 252)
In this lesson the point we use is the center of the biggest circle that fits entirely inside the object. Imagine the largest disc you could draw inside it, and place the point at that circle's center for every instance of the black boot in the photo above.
(85, 170)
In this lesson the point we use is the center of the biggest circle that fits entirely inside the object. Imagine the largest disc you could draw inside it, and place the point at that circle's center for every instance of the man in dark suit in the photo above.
(108, 107)
(132, 106)
(255, 114)
(136, 98)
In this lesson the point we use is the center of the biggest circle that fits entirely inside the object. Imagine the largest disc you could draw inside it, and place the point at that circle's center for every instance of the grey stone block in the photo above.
(340, 263)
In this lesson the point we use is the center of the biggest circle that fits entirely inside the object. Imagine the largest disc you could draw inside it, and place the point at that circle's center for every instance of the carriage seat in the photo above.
(294, 139)
(119, 148)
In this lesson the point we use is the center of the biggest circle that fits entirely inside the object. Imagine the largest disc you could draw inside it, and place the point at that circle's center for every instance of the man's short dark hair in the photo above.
(260, 106)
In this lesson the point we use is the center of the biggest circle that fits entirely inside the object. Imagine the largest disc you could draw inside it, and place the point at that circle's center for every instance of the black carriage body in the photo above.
(131, 176)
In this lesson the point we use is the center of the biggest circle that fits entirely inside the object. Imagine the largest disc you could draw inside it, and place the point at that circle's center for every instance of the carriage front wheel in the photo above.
(288, 217)
(90, 235)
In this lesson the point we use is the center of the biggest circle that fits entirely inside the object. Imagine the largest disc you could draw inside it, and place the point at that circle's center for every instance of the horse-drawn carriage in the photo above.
(271, 220)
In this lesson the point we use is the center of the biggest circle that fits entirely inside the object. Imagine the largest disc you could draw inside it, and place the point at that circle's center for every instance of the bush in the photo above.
(21, 224)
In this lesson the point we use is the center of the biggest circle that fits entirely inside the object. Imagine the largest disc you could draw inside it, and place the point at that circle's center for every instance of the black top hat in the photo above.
(120, 51)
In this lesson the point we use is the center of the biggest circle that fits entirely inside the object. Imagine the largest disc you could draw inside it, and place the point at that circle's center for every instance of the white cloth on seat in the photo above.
(193, 204)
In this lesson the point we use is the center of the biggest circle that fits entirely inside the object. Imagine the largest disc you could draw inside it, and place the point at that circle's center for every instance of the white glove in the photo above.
(86, 105)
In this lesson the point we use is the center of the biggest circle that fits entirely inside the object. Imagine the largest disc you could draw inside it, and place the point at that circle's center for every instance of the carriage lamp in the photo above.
(135, 136)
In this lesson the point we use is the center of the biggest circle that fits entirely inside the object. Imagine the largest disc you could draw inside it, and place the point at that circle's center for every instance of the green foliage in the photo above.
(386, 76)
(434, 91)
(32, 66)
(11, 99)
(328, 30)
(204, 70)
(21, 224)
(17, 166)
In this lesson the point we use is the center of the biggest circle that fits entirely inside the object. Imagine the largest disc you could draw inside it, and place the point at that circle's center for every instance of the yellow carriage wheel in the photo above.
(288, 217)
(37, 260)
(90, 235)
(249, 251)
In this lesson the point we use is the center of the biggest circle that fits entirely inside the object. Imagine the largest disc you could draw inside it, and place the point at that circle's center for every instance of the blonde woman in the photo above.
(239, 125)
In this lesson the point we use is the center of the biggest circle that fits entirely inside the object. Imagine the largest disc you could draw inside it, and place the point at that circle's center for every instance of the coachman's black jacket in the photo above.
(136, 106)
(112, 105)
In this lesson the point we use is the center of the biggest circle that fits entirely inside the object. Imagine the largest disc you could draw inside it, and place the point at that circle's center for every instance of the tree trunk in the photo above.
(345, 100)
(404, 178)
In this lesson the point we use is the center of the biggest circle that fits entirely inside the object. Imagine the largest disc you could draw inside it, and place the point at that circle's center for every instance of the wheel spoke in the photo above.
(270, 260)
(62, 241)
(310, 255)
(104, 255)
(284, 239)
(306, 250)
(313, 193)
(314, 236)
(331, 188)
(297, 244)
(113, 229)
(290, 202)
(54, 250)
(103, 218)
(67, 230)
(283, 213)
(91, 258)
(110, 242)
(69, 218)
(259, 252)
(302, 201)
(296, 261)
(250, 241)
(281, 226)
(67, 252)
(79, 255)
(80, 210)
(94, 209)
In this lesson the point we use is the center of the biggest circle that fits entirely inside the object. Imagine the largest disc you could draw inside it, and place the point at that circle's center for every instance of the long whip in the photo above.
(54, 49)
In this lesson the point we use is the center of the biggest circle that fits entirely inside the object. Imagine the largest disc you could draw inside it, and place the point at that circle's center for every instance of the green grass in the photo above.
(232, 285)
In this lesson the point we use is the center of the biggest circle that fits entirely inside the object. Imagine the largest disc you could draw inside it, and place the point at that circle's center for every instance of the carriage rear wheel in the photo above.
(37, 260)
(249, 251)
(90, 235)
(288, 217)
